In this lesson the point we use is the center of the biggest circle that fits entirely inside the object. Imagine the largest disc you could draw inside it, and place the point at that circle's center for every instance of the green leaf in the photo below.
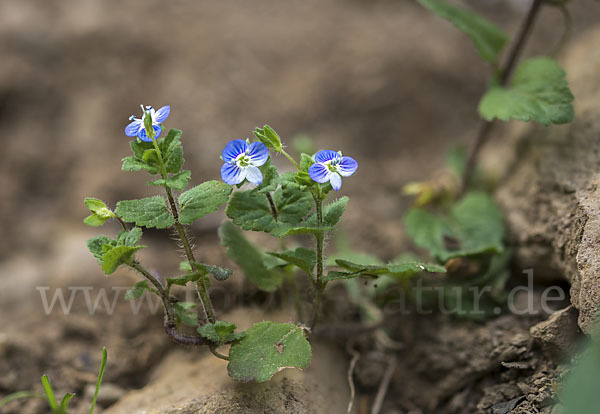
(473, 226)
(133, 164)
(129, 238)
(184, 280)
(488, 38)
(94, 220)
(270, 180)
(202, 200)
(254, 213)
(138, 290)
(118, 256)
(171, 150)
(64, 404)
(177, 182)
(186, 313)
(95, 246)
(306, 161)
(331, 215)
(269, 137)
(139, 147)
(148, 212)
(100, 212)
(145, 156)
(220, 273)
(18, 395)
(249, 258)
(95, 205)
(50, 396)
(100, 376)
(185, 266)
(305, 259)
(150, 157)
(399, 269)
(268, 348)
(220, 332)
(538, 91)
(335, 275)
(580, 390)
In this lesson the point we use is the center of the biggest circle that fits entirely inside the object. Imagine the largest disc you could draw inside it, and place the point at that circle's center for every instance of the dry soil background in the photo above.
(384, 81)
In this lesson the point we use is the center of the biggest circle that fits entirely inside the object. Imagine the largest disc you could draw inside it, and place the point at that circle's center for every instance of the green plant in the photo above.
(50, 396)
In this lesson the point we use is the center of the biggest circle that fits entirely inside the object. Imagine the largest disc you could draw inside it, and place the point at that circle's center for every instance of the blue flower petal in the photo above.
(157, 131)
(326, 155)
(232, 174)
(258, 153)
(133, 129)
(143, 136)
(336, 181)
(347, 166)
(162, 114)
(233, 149)
(254, 175)
(319, 173)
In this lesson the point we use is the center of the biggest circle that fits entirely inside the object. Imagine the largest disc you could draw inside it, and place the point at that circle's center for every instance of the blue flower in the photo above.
(331, 166)
(242, 161)
(136, 127)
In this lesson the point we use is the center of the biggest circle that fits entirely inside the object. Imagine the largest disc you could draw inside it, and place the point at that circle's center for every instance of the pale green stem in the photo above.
(289, 157)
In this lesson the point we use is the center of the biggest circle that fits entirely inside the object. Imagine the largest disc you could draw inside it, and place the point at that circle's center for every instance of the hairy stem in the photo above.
(485, 127)
(318, 282)
(207, 308)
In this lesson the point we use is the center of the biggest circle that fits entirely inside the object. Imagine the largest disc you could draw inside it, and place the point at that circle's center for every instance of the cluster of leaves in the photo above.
(50, 396)
(467, 237)
(538, 90)
(466, 234)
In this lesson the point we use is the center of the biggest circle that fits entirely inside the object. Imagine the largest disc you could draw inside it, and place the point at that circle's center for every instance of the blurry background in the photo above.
(385, 81)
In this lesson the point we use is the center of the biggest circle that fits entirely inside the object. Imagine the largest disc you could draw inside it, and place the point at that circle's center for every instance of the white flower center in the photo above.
(243, 160)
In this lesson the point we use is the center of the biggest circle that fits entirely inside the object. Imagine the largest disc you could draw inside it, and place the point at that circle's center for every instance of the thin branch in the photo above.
(507, 69)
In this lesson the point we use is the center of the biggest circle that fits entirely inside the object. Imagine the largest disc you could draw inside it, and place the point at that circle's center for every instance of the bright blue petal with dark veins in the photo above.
(133, 129)
(254, 175)
(319, 173)
(157, 131)
(232, 174)
(347, 166)
(326, 155)
(143, 136)
(162, 114)
(258, 153)
(233, 149)
(336, 181)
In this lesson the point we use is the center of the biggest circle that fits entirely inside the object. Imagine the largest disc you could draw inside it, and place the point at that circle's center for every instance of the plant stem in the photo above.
(272, 205)
(486, 126)
(296, 298)
(318, 283)
(289, 157)
(207, 308)
(219, 355)
(169, 313)
(120, 220)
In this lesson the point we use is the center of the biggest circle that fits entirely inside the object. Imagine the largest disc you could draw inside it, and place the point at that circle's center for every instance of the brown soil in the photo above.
(384, 81)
